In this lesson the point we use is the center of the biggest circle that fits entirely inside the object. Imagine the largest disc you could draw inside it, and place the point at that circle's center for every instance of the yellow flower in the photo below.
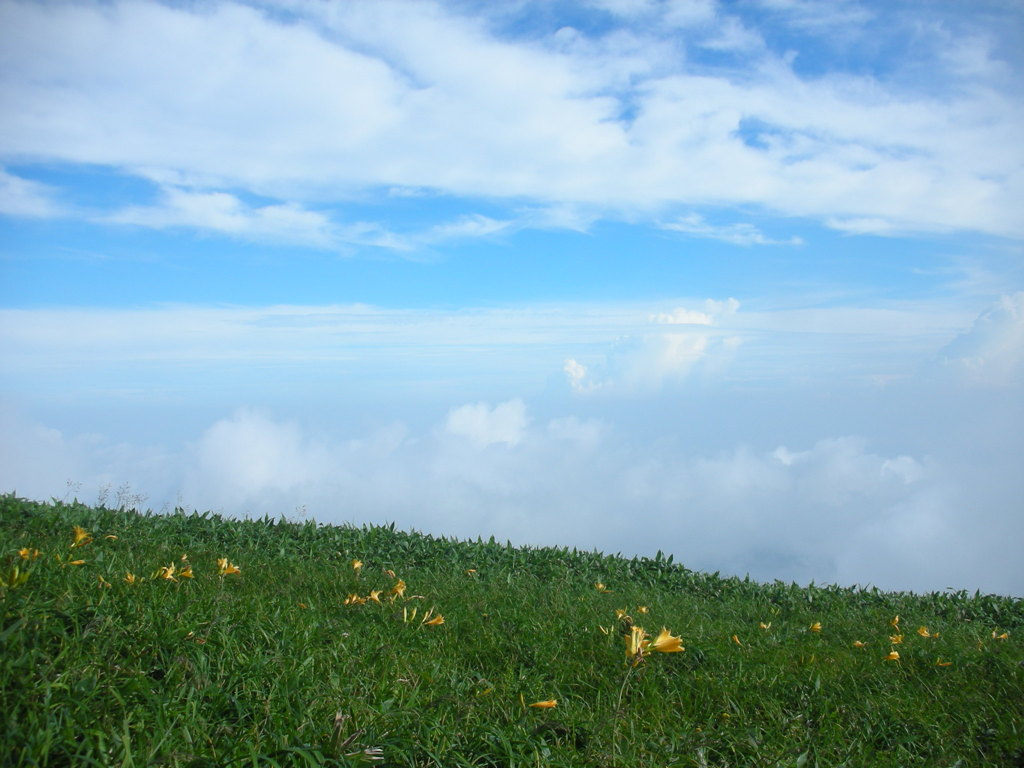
(816, 626)
(858, 644)
(549, 704)
(357, 565)
(601, 588)
(186, 572)
(354, 599)
(895, 622)
(130, 578)
(184, 557)
(1004, 636)
(436, 621)
(641, 609)
(399, 589)
(28, 554)
(74, 562)
(923, 632)
(736, 639)
(470, 571)
(896, 639)
(666, 642)
(166, 572)
(390, 573)
(636, 643)
(374, 595)
(81, 537)
(764, 626)
(225, 568)
(894, 655)
(620, 613)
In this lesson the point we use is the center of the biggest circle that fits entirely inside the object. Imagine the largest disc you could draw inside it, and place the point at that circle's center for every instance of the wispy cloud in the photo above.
(742, 233)
(26, 198)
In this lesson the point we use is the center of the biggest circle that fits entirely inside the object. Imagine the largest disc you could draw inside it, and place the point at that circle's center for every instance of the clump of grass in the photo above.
(189, 640)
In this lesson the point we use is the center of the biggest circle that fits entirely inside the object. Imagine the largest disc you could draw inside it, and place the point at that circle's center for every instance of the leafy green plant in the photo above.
(185, 639)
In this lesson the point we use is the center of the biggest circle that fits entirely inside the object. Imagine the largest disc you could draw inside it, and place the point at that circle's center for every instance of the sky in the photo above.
(737, 281)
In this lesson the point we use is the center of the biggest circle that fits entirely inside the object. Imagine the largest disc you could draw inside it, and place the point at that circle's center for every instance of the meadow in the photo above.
(186, 639)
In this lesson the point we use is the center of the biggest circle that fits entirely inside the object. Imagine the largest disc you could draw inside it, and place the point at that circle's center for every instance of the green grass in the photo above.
(270, 667)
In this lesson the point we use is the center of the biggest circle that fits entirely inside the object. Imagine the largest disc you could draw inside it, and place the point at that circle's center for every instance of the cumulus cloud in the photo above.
(991, 353)
(832, 510)
(504, 423)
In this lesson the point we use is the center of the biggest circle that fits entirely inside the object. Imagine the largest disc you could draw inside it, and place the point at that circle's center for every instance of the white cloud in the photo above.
(737, 234)
(831, 510)
(26, 198)
(348, 99)
(684, 316)
(505, 423)
(226, 214)
(991, 353)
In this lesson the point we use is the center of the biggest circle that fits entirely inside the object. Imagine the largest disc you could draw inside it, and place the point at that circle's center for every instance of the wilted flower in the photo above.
(894, 655)
(736, 639)
(28, 554)
(550, 703)
(621, 613)
(764, 626)
(81, 537)
(470, 571)
(103, 582)
(74, 562)
(895, 622)
(436, 621)
(110, 537)
(225, 568)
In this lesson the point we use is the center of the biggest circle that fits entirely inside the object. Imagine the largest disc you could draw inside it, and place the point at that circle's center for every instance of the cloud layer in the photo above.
(684, 447)
(831, 511)
(649, 110)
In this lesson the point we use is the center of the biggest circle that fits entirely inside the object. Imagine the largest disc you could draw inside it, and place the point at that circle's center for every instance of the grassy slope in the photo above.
(271, 667)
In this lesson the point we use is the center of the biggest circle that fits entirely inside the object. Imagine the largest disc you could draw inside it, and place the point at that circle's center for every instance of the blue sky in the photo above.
(736, 280)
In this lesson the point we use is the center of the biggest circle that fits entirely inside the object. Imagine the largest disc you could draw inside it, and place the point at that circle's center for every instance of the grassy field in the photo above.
(190, 640)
